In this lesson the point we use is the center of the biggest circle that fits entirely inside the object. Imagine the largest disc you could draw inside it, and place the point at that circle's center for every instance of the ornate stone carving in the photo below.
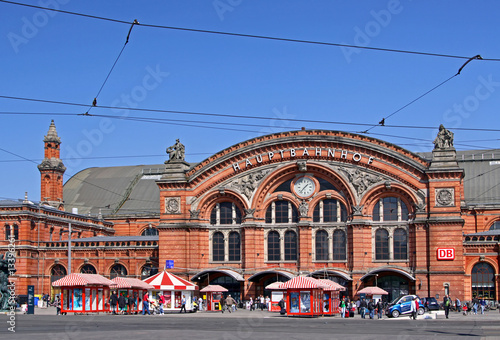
(173, 205)
(249, 213)
(194, 214)
(303, 208)
(420, 207)
(445, 197)
(247, 184)
(302, 166)
(357, 209)
(360, 180)
(444, 138)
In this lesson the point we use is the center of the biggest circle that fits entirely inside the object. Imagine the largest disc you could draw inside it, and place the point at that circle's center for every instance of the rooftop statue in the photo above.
(444, 138)
(176, 152)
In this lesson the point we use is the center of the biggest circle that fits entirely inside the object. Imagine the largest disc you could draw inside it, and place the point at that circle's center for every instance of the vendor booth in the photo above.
(277, 294)
(214, 295)
(84, 293)
(304, 296)
(173, 288)
(331, 298)
(131, 288)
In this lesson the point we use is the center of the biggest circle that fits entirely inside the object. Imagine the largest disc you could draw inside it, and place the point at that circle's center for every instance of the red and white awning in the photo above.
(79, 279)
(130, 283)
(332, 285)
(299, 282)
(169, 281)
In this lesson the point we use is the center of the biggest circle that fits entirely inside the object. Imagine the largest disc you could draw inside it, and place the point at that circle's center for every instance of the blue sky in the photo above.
(65, 58)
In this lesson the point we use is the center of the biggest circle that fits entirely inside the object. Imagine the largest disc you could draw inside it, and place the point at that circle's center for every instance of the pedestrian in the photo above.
(482, 302)
(465, 308)
(250, 303)
(145, 304)
(371, 308)
(262, 302)
(200, 304)
(362, 308)
(380, 308)
(130, 304)
(268, 302)
(475, 303)
(413, 308)
(57, 302)
(222, 303)
(230, 303)
(161, 302)
(121, 303)
(281, 304)
(113, 301)
(45, 300)
(183, 304)
(342, 308)
(446, 305)
(458, 305)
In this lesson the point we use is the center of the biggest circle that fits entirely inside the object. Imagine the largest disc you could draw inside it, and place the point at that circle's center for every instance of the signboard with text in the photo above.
(446, 254)
(169, 264)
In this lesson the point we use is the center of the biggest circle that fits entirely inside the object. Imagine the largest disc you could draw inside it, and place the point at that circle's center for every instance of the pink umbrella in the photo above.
(373, 291)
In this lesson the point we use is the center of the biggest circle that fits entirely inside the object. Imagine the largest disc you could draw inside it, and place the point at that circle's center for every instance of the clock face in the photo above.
(304, 187)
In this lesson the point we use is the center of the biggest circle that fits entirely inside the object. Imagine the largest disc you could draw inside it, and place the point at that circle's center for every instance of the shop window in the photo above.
(339, 245)
(273, 246)
(382, 244)
(321, 245)
(483, 281)
(390, 209)
(118, 270)
(400, 244)
(330, 210)
(88, 269)
(281, 212)
(225, 213)
(290, 246)
(218, 247)
(234, 246)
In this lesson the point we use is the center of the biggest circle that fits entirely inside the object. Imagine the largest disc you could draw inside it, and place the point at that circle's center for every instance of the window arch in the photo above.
(483, 281)
(148, 270)
(11, 231)
(58, 270)
(88, 269)
(281, 212)
(225, 213)
(218, 246)
(117, 270)
(330, 210)
(273, 246)
(339, 245)
(321, 245)
(150, 231)
(495, 226)
(290, 245)
(400, 249)
(234, 246)
(390, 209)
(381, 244)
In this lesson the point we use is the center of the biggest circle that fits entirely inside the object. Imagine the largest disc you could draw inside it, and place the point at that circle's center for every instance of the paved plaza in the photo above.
(243, 324)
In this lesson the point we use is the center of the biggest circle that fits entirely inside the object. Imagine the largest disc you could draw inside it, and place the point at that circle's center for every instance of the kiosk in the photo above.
(132, 289)
(214, 294)
(173, 288)
(84, 293)
(304, 296)
(277, 294)
(331, 299)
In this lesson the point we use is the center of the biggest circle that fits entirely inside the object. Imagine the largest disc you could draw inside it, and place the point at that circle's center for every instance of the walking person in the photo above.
(145, 304)
(121, 303)
(413, 308)
(482, 303)
(200, 304)
(222, 303)
(475, 303)
(362, 308)
(342, 308)
(458, 305)
(371, 308)
(183, 304)
(262, 302)
(131, 304)
(380, 308)
(161, 302)
(446, 305)
(113, 301)
(229, 303)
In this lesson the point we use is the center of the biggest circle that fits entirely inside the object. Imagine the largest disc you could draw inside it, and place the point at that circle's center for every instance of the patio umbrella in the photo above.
(373, 291)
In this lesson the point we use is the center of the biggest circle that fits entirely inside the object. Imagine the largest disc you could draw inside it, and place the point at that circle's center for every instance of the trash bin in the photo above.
(36, 301)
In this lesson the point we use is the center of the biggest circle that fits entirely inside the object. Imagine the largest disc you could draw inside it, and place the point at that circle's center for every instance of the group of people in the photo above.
(477, 304)
(122, 304)
(369, 307)
(228, 304)
(259, 303)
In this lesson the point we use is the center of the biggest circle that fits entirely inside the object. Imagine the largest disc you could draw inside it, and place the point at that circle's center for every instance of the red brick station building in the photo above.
(327, 204)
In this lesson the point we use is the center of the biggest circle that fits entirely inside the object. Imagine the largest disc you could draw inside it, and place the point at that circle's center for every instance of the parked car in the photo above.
(430, 303)
(402, 305)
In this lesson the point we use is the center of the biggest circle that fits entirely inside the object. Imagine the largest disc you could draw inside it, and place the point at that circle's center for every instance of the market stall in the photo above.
(304, 296)
(277, 294)
(131, 288)
(213, 296)
(173, 288)
(331, 299)
(84, 293)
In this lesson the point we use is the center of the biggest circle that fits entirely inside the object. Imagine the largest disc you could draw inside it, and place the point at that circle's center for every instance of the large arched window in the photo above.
(88, 269)
(329, 210)
(150, 231)
(273, 246)
(218, 246)
(118, 270)
(390, 209)
(225, 213)
(483, 281)
(234, 246)
(290, 246)
(381, 244)
(281, 212)
(321, 245)
(400, 244)
(339, 245)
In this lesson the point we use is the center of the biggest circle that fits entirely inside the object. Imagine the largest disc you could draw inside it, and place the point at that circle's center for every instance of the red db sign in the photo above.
(446, 254)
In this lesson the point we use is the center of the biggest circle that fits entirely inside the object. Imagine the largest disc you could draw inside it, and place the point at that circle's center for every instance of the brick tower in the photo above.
(52, 170)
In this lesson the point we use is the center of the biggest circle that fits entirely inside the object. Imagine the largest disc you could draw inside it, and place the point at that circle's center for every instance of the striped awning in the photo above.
(332, 285)
(130, 283)
(213, 289)
(168, 281)
(79, 279)
(299, 282)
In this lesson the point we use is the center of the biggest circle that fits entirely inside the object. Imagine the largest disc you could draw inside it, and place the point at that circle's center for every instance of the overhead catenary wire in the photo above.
(246, 35)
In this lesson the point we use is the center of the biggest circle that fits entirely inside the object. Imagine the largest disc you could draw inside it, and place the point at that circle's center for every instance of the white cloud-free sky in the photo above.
(60, 57)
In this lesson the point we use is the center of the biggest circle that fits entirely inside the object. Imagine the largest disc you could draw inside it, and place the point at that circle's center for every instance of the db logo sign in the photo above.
(446, 254)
